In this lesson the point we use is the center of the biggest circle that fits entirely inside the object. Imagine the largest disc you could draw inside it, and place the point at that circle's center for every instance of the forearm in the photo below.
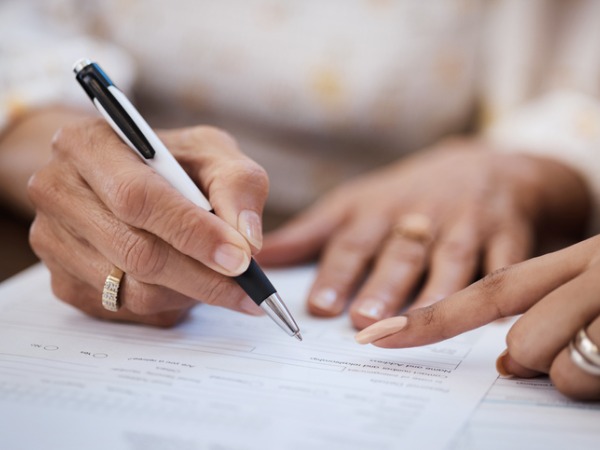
(24, 148)
(565, 200)
(559, 126)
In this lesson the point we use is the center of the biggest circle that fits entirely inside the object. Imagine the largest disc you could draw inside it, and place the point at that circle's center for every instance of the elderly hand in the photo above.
(558, 294)
(446, 214)
(98, 206)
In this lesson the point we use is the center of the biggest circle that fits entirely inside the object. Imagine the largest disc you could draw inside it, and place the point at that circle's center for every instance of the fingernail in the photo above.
(381, 329)
(231, 258)
(372, 309)
(500, 364)
(250, 225)
(324, 299)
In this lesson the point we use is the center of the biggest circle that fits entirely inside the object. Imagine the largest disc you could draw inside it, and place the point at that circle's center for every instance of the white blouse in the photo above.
(320, 90)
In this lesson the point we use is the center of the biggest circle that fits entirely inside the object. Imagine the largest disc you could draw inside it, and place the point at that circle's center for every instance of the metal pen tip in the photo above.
(276, 310)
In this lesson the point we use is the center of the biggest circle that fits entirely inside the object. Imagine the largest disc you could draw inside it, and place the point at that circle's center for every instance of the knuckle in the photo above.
(43, 185)
(253, 174)
(61, 139)
(214, 134)
(495, 282)
(64, 290)
(522, 345)
(492, 288)
(427, 315)
(412, 255)
(34, 187)
(218, 288)
(187, 233)
(143, 255)
(246, 173)
(146, 301)
(430, 317)
(38, 236)
(130, 199)
(207, 136)
(353, 246)
(65, 137)
(456, 251)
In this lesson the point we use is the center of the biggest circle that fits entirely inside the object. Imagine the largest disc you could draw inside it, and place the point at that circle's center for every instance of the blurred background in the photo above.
(316, 92)
(15, 253)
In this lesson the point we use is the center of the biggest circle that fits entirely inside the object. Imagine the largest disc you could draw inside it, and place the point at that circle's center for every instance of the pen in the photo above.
(127, 122)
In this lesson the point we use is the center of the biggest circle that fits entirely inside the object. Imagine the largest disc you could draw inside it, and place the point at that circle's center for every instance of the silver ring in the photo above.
(587, 348)
(110, 293)
(584, 353)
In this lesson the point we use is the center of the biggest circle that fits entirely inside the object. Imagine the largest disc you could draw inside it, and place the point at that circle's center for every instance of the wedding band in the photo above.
(110, 299)
(587, 348)
(415, 227)
(584, 353)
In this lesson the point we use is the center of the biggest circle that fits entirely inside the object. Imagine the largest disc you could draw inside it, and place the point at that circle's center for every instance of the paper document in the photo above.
(223, 380)
(531, 414)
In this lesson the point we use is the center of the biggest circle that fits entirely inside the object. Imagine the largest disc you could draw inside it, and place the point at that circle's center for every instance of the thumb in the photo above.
(507, 366)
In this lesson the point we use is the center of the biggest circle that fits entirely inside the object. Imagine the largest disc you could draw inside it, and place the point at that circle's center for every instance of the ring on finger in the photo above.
(110, 292)
(415, 227)
(585, 353)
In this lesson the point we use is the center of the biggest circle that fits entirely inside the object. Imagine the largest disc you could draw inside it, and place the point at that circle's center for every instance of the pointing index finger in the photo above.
(505, 292)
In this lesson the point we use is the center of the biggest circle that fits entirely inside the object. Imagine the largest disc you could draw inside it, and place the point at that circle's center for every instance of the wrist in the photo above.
(25, 146)
(563, 201)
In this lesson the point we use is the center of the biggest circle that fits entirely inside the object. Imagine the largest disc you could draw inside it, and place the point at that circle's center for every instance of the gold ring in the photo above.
(110, 293)
(415, 227)
(584, 353)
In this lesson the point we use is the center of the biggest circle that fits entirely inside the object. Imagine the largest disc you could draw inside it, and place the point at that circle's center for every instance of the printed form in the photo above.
(532, 414)
(223, 380)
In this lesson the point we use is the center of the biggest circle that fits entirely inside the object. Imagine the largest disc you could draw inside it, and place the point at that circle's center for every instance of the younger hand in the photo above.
(557, 294)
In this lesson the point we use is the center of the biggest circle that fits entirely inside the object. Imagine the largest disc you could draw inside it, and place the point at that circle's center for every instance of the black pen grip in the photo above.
(255, 283)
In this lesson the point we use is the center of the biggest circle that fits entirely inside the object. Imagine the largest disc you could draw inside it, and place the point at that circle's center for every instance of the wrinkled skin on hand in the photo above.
(486, 209)
(98, 206)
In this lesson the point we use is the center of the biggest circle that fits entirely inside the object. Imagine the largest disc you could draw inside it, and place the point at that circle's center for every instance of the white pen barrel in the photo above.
(163, 161)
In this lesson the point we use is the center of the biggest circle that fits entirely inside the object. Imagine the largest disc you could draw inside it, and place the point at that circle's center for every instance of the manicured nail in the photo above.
(250, 225)
(372, 309)
(324, 299)
(231, 258)
(500, 365)
(381, 329)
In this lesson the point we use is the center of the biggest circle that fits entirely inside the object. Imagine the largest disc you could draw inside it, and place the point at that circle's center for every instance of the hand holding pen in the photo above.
(99, 207)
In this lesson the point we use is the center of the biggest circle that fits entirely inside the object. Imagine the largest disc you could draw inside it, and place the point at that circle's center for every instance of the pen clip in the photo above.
(96, 84)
